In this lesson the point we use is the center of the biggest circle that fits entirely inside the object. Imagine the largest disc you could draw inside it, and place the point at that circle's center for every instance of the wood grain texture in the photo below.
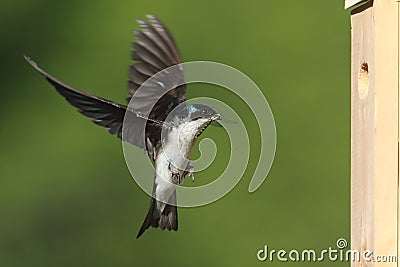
(362, 133)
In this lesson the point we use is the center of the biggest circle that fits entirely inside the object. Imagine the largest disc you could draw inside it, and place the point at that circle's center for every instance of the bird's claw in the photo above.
(176, 178)
(190, 170)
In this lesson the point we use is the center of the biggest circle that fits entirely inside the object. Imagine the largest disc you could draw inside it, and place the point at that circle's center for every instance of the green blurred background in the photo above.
(66, 195)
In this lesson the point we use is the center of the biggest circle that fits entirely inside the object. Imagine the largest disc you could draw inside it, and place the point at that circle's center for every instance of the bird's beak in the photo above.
(216, 117)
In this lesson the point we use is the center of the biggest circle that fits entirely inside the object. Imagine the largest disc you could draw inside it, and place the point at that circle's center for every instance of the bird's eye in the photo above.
(204, 112)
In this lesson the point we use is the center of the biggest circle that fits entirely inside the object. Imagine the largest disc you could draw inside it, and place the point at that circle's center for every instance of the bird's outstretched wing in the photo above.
(101, 111)
(154, 51)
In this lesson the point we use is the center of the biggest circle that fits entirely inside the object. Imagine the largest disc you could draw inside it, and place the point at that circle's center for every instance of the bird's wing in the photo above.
(101, 111)
(155, 50)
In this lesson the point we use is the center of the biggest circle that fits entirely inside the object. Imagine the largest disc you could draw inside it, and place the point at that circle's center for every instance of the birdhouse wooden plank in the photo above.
(375, 129)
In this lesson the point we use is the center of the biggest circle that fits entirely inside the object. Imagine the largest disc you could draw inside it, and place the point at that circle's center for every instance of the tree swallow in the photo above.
(168, 139)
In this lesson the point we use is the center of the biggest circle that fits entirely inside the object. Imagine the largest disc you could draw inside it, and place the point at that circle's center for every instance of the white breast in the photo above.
(179, 144)
(173, 156)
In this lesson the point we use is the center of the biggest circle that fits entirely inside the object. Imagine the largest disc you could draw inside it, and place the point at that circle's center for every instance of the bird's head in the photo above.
(201, 116)
(200, 111)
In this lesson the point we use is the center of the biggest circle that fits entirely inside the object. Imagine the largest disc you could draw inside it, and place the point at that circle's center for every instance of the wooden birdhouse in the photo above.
(375, 129)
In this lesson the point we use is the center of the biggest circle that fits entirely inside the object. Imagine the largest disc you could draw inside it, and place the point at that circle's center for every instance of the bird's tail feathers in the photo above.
(167, 220)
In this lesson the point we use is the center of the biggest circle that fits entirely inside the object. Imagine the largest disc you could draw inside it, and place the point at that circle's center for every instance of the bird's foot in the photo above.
(176, 176)
(190, 171)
